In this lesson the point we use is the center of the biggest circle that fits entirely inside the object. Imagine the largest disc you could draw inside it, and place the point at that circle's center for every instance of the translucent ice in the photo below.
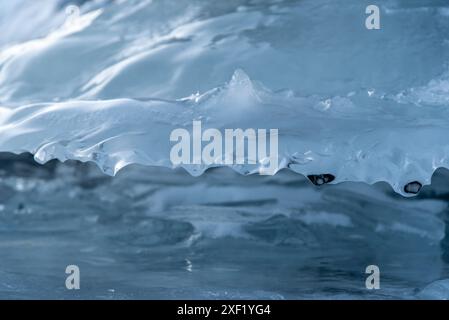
(351, 104)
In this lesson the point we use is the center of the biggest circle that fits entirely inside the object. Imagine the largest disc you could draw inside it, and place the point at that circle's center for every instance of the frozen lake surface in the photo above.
(105, 82)
(162, 234)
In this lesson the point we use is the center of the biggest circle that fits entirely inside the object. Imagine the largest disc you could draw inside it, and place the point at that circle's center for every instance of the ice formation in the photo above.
(108, 81)
(350, 105)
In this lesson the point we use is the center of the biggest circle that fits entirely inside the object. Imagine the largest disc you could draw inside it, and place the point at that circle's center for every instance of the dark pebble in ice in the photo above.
(320, 179)
(413, 187)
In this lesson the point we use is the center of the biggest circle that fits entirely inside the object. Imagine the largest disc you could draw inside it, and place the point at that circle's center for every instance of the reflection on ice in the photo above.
(158, 233)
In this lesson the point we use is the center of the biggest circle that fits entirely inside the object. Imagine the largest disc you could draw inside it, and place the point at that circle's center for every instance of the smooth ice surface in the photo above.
(157, 233)
(107, 84)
